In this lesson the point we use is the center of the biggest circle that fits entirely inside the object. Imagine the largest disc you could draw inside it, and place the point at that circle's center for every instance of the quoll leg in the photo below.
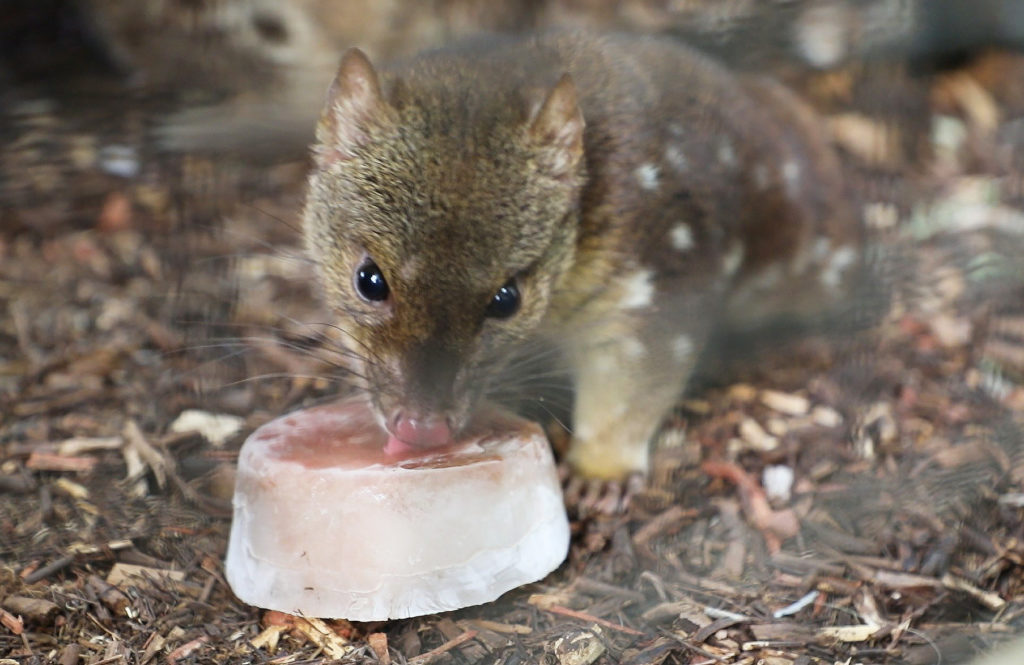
(625, 385)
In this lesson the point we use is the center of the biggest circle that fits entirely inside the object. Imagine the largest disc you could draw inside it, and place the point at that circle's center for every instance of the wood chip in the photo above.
(108, 594)
(868, 139)
(900, 581)
(506, 628)
(11, 622)
(545, 601)
(17, 483)
(126, 574)
(973, 100)
(156, 460)
(704, 633)
(847, 633)
(867, 607)
(275, 618)
(379, 643)
(269, 637)
(754, 435)
(688, 609)
(781, 630)
(70, 655)
(36, 610)
(320, 634)
(580, 648)
(216, 428)
(71, 489)
(741, 392)
(154, 645)
(84, 444)
(989, 599)
(101, 548)
(787, 403)
(187, 649)
(664, 524)
(67, 463)
(826, 416)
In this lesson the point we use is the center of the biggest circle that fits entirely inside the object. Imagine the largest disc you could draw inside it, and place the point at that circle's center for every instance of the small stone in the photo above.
(119, 160)
(778, 482)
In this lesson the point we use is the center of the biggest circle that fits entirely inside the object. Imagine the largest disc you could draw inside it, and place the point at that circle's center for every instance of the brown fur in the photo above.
(466, 167)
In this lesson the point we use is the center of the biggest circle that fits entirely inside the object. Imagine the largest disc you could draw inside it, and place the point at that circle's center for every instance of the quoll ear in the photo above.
(353, 103)
(557, 128)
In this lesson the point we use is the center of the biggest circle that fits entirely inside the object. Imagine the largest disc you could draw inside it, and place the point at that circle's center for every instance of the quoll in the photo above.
(616, 197)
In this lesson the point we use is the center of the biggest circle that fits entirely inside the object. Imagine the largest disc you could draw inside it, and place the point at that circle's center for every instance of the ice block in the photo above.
(328, 524)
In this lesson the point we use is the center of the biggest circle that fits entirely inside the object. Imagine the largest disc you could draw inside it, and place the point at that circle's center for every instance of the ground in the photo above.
(849, 497)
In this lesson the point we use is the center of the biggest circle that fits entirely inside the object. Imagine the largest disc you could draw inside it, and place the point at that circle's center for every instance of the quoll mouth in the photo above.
(409, 431)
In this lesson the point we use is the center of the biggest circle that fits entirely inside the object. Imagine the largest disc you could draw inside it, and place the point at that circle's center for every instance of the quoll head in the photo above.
(441, 218)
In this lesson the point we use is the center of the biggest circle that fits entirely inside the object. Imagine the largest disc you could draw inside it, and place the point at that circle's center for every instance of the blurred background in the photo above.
(152, 162)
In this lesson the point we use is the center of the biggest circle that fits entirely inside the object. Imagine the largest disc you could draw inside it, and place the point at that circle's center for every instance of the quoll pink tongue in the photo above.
(397, 447)
(335, 518)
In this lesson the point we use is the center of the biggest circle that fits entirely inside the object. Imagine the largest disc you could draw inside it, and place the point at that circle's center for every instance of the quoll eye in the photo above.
(505, 302)
(370, 282)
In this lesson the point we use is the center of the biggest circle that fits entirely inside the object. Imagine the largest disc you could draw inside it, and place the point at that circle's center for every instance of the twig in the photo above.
(49, 569)
(583, 616)
(186, 649)
(444, 648)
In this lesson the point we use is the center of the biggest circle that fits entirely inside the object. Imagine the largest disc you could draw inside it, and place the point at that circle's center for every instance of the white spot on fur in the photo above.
(633, 348)
(675, 129)
(647, 175)
(821, 248)
(582, 432)
(682, 348)
(726, 153)
(638, 290)
(604, 363)
(841, 259)
(881, 215)
(733, 259)
(682, 237)
(821, 34)
(675, 157)
(791, 174)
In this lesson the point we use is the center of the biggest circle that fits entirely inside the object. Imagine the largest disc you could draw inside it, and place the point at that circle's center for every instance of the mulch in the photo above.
(851, 497)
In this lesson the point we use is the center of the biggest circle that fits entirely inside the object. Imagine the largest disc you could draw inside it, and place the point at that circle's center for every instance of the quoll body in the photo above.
(613, 197)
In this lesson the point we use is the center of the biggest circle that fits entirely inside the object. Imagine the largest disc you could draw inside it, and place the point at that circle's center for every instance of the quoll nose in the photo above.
(421, 431)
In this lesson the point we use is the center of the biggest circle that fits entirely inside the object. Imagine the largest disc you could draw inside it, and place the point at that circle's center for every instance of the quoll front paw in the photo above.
(611, 457)
(595, 497)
